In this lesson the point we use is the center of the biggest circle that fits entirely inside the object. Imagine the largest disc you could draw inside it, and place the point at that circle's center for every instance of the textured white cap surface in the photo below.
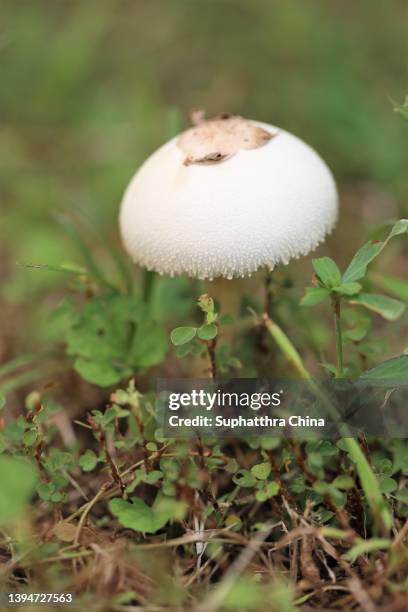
(258, 208)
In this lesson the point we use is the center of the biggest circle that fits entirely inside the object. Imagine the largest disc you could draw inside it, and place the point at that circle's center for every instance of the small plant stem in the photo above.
(100, 437)
(285, 345)
(211, 345)
(336, 303)
(38, 450)
(39, 446)
(140, 424)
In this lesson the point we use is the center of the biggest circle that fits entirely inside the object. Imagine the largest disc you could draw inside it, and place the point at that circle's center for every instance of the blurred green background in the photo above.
(89, 88)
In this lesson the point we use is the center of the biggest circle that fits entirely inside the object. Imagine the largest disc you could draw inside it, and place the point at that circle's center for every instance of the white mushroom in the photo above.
(225, 198)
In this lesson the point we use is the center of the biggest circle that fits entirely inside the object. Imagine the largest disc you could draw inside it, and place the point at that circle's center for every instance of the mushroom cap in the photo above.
(228, 211)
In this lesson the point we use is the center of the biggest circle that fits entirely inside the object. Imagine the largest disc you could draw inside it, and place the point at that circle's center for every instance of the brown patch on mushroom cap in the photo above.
(218, 139)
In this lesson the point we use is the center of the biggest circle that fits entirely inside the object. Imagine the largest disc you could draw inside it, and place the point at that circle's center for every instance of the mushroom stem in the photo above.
(268, 292)
(147, 284)
(261, 344)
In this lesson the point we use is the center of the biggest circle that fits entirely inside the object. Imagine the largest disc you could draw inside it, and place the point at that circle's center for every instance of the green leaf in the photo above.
(136, 515)
(298, 485)
(326, 488)
(18, 478)
(101, 372)
(88, 461)
(261, 470)
(57, 496)
(136, 481)
(269, 490)
(358, 265)
(333, 532)
(395, 369)
(153, 476)
(270, 443)
(170, 467)
(387, 307)
(323, 447)
(142, 476)
(402, 496)
(324, 515)
(355, 335)
(30, 437)
(231, 466)
(343, 482)
(327, 272)
(58, 460)
(388, 485)
(182, 335)
(315, 460)
(118, 412)
(149, 344)
(330, 367)
(314, 295)
(14, 431)
(45, 490)
(348, 289)
(365, 546)
(400, 227)
(207, 332)
(111, 336)
(383, 466)
(244, 478)
(183, 350)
